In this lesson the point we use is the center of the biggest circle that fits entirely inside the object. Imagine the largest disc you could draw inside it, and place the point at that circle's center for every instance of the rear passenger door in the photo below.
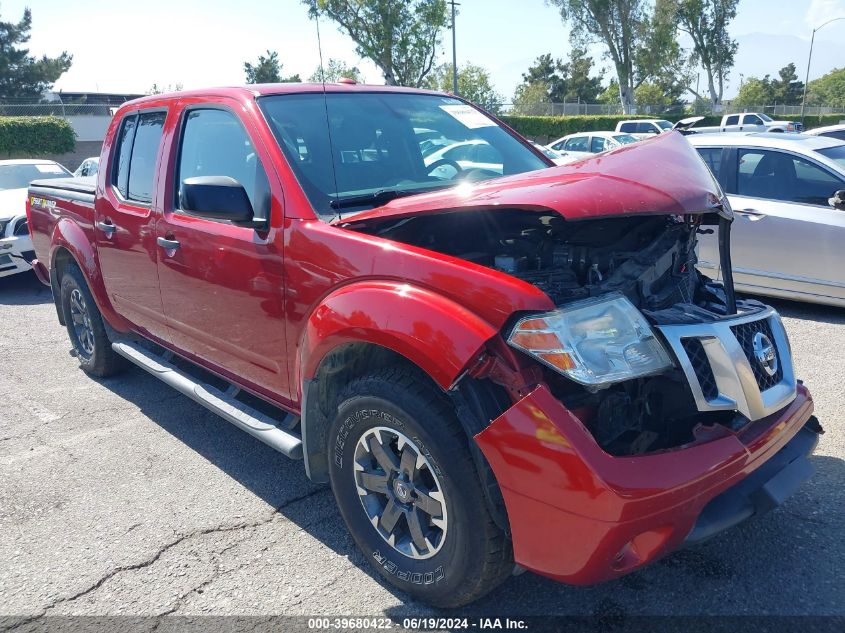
(125, 221)
(786, 237)
(222, 285)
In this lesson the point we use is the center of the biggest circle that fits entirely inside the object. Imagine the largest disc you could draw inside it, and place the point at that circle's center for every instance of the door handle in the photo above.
(169, 245)
(106, 227)
(751, 214)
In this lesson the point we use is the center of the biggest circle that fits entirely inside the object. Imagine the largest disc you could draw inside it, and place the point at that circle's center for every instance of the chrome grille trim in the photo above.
(737, 386)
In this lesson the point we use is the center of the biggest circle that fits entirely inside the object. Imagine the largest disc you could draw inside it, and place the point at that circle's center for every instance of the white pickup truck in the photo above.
(750, 122)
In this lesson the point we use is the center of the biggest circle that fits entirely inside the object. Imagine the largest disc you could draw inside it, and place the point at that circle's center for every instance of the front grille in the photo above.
(744, 333)
(701, 366)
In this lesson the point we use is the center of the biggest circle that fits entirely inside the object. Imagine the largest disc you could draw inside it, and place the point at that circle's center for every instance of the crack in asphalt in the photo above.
(162, 550)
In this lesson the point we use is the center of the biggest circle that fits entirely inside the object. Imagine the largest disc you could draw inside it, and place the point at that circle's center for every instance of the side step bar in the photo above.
(223, 404)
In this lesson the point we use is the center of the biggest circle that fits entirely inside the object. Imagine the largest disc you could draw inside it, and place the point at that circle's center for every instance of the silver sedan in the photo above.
(788, 196)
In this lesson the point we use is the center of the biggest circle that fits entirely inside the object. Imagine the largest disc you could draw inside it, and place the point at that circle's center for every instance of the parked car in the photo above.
(15, 245)
(526, 371)
(584, 144)
(833, 131)
(643, 128)
(788, 234)
(751, 122)
(88, 167)
(556, 157)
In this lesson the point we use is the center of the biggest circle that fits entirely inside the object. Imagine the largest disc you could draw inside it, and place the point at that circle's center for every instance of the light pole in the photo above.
(454, 52)
(809, 59)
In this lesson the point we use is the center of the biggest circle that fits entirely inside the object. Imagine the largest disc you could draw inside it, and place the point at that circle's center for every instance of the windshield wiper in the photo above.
(377, 197)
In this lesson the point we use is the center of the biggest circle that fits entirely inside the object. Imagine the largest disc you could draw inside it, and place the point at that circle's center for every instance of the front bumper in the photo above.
(15, 254)
(580, 515)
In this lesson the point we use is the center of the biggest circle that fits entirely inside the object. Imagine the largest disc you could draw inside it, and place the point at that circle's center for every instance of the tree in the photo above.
(155, 89)
(787, 89)
(660, 60)
(546, 71)
(474, 84)
(531, 99)
(579, 85)
(401, 38)
(636, 41)
(651, 94)
(706, 22)
(828, 90)
(268, 70)
(755, 92)
(21, 75)
(567, 82)
(336, 69)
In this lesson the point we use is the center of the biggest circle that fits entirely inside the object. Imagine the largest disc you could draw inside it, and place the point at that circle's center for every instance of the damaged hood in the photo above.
(660, 175)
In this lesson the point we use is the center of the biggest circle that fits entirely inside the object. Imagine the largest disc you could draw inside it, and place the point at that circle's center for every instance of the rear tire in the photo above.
(401, 469)
(85, 326)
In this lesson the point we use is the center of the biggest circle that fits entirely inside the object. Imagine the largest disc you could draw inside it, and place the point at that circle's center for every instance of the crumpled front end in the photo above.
(582, 516)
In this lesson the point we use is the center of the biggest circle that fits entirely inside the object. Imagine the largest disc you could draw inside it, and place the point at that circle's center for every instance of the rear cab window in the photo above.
(133, 174)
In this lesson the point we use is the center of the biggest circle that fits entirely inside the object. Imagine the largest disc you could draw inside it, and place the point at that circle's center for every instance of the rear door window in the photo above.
(732, 120)
(120, 177)
(629, 127)
(144, 157)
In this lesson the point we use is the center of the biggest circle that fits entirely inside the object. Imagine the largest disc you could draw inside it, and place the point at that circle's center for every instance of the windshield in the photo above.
(765, 117)
(19, 176)
(664, 125)
(836, 154)
(381, 145)
(624, 139)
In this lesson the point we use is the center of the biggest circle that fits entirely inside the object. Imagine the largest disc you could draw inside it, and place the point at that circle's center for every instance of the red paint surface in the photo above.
(573, 507)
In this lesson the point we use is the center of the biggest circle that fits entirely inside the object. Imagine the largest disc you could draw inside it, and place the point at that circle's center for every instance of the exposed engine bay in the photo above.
(649, 259)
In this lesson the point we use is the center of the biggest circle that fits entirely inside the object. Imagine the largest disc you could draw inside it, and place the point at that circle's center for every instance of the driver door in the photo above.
(222, 285)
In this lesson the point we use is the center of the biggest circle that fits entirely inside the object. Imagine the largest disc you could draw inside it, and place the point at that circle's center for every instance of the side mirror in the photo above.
(217, 198)
(838, 200)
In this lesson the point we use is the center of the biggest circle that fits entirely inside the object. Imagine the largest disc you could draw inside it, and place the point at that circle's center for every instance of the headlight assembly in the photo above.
(594, 342)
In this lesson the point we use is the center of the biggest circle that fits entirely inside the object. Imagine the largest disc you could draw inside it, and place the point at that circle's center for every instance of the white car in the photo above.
(553, 155)
(832, 131)
(88, 168)
(787, 192)
(584, 144)
(15, 244)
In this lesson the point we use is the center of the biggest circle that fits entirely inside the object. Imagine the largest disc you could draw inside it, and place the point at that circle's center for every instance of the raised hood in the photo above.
(660, 175)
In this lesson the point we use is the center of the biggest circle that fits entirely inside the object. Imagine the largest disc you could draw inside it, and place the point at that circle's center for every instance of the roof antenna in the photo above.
(326, 108)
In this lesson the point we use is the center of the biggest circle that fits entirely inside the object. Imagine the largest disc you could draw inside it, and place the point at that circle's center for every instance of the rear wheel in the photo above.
(406, 485)
(85, 326)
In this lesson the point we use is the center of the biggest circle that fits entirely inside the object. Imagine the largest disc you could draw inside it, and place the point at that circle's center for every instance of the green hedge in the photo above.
(35, 135)
(552, 127)
(549, 128)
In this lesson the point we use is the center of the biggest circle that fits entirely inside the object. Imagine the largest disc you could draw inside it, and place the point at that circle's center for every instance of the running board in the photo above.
(224, 404)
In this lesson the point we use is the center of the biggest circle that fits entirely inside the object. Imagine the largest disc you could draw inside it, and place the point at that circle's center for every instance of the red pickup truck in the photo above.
(496, 363)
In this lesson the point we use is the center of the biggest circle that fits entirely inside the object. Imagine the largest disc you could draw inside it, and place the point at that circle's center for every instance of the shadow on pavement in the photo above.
(23, 289)
(760, 567)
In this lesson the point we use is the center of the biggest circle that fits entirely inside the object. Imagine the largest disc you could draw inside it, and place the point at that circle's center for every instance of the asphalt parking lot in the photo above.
(121, 497)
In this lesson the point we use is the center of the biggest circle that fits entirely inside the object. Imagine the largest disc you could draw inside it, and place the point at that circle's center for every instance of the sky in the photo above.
(126, 46)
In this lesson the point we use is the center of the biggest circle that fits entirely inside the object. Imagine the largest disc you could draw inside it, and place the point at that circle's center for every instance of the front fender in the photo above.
(433, 332)
(68, 235)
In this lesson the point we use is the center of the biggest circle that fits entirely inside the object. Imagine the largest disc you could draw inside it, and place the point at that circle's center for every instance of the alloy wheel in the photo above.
(400, 493)
(81, 319)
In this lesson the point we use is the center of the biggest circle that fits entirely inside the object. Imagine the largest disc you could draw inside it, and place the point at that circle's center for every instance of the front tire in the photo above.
(407, 487)
(85, 327)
